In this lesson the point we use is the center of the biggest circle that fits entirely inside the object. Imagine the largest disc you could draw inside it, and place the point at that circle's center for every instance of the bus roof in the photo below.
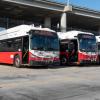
(71, 34)
(20, 30)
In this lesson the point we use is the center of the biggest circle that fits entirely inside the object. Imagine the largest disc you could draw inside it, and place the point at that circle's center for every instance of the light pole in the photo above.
(67, 2)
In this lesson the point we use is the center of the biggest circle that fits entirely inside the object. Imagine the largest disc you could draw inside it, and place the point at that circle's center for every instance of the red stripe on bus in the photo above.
(5, 57)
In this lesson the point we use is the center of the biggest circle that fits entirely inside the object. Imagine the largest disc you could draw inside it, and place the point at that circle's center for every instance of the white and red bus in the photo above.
(98, 47)
(26, 44)
(77, 47)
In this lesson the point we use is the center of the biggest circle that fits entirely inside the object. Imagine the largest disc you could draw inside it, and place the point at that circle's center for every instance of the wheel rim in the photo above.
(64, 60)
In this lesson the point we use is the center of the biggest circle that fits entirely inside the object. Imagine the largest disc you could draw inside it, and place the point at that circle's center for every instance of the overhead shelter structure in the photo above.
(48, 13)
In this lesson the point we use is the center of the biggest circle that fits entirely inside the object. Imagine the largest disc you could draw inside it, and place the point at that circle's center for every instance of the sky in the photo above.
(92, 4)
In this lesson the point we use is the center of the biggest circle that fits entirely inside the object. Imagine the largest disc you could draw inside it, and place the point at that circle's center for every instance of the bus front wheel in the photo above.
(17, 61)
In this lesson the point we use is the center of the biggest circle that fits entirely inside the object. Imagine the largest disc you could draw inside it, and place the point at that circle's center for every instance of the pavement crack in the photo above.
(27, 96)
(72, 96)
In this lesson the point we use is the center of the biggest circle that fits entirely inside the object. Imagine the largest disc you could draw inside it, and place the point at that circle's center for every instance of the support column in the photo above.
(63, 22)
(47, 22)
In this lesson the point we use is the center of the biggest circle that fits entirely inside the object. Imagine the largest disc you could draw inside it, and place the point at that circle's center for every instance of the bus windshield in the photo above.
(87, 43)
(44, 42)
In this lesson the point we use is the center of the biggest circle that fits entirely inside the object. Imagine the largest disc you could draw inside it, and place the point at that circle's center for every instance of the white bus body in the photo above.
(77, 47)
(26, 44)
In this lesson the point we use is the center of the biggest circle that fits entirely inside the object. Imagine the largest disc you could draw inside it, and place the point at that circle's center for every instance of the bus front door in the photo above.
(73, 51)
(25, 52)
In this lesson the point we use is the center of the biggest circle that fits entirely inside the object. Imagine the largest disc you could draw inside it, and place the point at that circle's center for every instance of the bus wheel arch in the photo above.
(64, 60)
(17, 61)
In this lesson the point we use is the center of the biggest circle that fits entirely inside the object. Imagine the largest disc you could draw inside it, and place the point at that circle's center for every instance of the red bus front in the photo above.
(81, 50)
(87, 52)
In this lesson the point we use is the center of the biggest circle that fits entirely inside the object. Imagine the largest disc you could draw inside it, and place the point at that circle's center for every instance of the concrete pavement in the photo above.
(68, 83)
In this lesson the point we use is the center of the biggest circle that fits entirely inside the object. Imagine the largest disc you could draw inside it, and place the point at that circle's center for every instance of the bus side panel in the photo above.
(8, 57)
(81, 56)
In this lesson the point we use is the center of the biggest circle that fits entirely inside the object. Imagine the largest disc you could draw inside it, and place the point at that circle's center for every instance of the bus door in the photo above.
(25, 49)
(98, 47)
(73, 51)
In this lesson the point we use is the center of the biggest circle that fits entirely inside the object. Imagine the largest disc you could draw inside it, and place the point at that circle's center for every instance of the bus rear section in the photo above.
(78, 47)
(29, 45)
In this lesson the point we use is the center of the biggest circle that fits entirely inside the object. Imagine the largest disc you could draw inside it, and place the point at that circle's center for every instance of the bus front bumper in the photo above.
(44, 63)
(88, 62)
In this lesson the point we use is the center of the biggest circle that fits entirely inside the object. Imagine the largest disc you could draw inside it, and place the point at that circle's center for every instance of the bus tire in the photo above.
(63, 61)
(17, 61)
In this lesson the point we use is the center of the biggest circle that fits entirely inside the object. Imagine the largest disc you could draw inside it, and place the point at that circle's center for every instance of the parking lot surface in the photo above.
(52, 83)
